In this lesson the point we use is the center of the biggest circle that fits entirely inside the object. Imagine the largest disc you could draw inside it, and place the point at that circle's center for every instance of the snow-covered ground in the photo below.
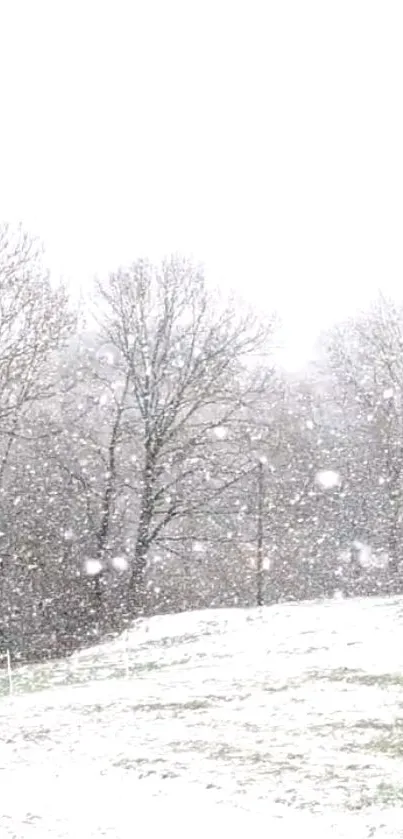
(277, 721)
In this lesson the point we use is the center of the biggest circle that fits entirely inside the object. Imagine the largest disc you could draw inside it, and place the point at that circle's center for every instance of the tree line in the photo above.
(153, 456)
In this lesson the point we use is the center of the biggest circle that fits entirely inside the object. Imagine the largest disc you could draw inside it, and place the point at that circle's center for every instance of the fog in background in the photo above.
(264, 139)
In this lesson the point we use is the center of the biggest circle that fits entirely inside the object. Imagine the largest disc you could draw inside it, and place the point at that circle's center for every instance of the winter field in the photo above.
(276, 721)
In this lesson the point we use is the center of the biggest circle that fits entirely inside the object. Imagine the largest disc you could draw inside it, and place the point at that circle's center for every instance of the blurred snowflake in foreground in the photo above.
(92, 567)
(119, 563)
(328, 479)
(220, 432)
(198, 548)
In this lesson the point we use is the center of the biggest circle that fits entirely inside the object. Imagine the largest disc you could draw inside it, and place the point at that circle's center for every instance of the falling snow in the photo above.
(93, 567)
(198, 547)
(220, 432)
(328, 478)
(158, 461)
(120, 563)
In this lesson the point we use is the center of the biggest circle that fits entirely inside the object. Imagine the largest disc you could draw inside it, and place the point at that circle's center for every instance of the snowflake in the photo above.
(92, 567)
(198, 548)
(328, 478)
(119, 563)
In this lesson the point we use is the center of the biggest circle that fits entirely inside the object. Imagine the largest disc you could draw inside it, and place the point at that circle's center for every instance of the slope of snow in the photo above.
(272, 721)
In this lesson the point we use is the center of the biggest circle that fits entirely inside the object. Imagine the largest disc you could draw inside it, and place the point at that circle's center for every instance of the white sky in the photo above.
(264, 138)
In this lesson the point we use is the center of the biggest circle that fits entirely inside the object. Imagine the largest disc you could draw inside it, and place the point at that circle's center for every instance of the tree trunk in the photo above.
(393, 550)
(259, 565)
(393, 541)
(136, 594)
(136, 588)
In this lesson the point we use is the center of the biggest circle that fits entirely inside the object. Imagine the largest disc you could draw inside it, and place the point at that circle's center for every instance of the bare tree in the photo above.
(35, 322)
(181, 359)
(365, 360)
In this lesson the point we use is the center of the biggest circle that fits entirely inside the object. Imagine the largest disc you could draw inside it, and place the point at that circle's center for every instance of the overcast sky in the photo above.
(264, 138)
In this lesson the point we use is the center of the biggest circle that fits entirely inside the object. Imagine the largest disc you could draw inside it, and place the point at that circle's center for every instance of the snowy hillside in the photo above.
(267, 720)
